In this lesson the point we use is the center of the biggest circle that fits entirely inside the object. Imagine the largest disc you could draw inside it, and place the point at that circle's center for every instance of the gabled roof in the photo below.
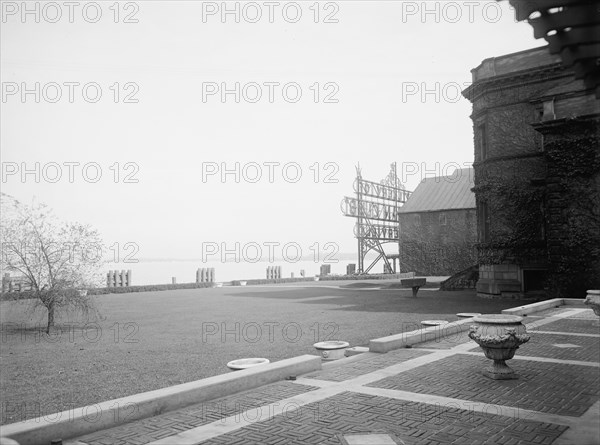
(443, 193)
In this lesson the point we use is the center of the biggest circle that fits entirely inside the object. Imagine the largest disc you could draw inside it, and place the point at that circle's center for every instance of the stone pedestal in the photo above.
(331, 349)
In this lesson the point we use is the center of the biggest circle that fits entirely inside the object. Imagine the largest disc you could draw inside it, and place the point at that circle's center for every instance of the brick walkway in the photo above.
(433, 393)
(171, 423)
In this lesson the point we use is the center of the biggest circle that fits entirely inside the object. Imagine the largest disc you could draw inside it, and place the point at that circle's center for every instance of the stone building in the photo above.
(438, 225)
(537, 177)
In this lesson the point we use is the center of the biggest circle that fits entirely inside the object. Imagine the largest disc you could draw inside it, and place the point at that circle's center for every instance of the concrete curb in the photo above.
(541, 306)
(88, 419)
(386, 344)
(571, 301)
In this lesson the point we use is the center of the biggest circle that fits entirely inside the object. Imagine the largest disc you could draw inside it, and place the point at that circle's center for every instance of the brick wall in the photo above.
(438, 243)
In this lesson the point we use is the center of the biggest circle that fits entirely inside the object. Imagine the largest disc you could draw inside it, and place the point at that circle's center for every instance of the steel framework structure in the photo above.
(376, 209)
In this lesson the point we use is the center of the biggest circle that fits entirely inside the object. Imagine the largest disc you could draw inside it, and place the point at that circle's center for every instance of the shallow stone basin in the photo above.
(468, 314)
(245, 363)
(433, 322)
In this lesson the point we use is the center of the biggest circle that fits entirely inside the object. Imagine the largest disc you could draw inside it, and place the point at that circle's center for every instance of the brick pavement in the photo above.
(545, 387)
(365, 366)
(573, 325)
(585, 315)
(562, 347)
(433, 393)
(164, 425)
(411, 422)
(446, 342)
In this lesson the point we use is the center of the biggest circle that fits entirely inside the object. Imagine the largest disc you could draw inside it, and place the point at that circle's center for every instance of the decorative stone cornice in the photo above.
(517, 79)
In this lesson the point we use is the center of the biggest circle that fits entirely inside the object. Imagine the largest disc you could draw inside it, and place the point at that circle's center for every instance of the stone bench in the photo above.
(414, 283)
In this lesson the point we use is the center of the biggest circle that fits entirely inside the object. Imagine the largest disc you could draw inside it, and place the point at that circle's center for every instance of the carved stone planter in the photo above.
(593, 301)
(499, 336)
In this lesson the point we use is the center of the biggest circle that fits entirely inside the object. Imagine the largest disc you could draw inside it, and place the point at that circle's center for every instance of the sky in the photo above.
(126, 127)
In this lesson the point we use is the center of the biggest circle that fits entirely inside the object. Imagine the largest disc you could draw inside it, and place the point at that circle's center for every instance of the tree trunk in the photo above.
(50, 318)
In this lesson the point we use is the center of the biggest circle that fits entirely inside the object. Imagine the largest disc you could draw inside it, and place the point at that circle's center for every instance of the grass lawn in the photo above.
(150, 340)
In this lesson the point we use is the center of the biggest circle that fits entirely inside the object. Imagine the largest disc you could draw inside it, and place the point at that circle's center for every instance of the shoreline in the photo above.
(11, 296)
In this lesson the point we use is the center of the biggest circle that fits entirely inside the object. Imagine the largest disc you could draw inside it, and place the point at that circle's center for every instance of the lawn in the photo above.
(150, 340)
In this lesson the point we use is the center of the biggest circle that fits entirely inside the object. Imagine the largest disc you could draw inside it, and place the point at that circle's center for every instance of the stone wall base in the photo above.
(505, 281)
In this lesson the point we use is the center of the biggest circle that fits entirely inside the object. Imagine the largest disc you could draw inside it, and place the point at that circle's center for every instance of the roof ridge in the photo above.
(447, 192)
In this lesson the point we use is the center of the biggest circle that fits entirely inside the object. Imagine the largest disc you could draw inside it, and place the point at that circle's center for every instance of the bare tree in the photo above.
(57, 260)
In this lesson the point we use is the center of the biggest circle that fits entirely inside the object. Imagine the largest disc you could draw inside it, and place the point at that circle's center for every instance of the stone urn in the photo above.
(593, 301)
(499, 336)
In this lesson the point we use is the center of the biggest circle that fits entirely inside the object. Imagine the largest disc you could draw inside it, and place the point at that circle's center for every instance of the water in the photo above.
(160, 272)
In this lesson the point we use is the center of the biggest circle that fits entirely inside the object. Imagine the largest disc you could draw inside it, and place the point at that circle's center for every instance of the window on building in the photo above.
(443, 220)
(417, 220)
(482, 142)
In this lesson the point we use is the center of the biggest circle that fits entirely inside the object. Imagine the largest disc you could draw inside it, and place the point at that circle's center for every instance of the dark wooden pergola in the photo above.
(572, 29)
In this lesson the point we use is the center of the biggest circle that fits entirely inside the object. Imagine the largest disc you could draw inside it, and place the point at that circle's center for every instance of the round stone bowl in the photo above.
(217, 285)
(332, 349)
(316, 278)
(467, 314)
(243, 283)
(433, 322)
(245, 363)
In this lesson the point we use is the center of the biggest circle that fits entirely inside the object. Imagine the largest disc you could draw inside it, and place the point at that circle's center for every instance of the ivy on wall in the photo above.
(574, 169)
(517, 221)
(554, 219)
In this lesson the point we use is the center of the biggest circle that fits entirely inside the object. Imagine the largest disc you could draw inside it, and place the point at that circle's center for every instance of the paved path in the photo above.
(433, 393)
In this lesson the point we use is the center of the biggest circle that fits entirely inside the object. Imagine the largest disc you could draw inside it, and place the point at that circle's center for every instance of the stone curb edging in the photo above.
(105, 415)
(386, 344)
(541, 306)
